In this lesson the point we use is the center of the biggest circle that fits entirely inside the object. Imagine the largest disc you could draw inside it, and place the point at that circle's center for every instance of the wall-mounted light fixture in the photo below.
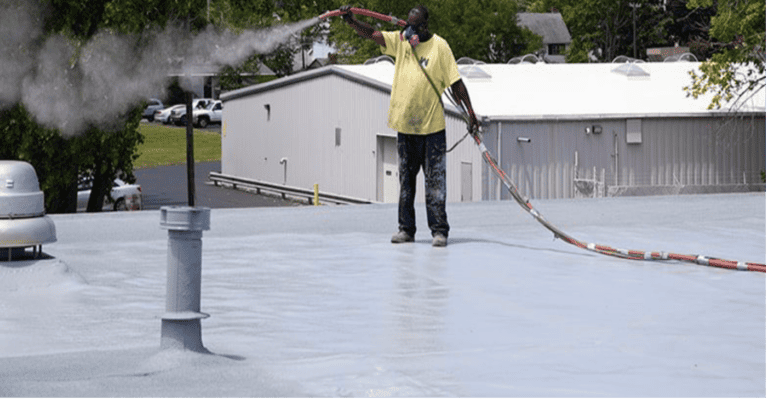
(521, 139)
(596, 129)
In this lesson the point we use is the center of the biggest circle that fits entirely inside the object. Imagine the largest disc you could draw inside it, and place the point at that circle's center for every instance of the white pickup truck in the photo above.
(207, 116)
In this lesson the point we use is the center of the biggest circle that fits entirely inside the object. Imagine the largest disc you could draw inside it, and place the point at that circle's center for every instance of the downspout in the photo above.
(615, 156)
(499, 153)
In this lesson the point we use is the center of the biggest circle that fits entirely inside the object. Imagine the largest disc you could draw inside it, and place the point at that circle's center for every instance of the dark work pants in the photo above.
(425, 152)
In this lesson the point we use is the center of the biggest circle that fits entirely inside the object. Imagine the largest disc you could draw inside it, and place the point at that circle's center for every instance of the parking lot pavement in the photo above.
(167, 186)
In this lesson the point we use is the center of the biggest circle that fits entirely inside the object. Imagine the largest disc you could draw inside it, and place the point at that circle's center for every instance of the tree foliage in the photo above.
(737, 71)
(59, 160)
(601, 30)
(484, 30)
(107, 152)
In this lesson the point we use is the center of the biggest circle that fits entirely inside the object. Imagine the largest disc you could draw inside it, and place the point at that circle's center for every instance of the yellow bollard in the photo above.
(317, 195)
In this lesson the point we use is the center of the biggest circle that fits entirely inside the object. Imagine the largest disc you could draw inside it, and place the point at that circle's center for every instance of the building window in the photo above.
(555, 49)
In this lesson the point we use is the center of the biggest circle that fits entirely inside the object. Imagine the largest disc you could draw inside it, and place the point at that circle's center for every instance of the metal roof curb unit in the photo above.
(23, 222)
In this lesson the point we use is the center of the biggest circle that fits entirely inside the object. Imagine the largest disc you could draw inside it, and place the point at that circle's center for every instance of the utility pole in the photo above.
(634, 29)
(190, 154)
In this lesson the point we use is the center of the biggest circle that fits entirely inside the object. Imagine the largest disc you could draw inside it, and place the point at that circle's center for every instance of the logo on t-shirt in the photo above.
(424, 62)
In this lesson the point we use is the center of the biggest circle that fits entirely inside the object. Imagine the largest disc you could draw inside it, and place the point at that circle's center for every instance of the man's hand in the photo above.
(461, 96)
(362, 29)
(345, 14)
(474, 124)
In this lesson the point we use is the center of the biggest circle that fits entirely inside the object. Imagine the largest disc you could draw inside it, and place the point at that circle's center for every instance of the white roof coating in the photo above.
(316, 302)
(559, 91)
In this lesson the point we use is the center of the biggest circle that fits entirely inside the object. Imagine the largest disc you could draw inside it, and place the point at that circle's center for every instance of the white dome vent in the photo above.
(23, 222)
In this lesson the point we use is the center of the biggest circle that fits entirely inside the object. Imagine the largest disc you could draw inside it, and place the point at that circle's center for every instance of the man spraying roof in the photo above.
(424, 67)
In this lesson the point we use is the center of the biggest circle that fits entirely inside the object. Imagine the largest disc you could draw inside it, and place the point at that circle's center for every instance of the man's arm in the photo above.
(362, 28)
(461, 95)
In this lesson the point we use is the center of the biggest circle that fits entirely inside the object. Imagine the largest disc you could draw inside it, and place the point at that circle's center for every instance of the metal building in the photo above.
(564, 130)
(329, 127)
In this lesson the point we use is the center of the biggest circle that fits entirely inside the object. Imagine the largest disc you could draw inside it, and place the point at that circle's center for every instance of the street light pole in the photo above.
(190, 153)
(634, 29)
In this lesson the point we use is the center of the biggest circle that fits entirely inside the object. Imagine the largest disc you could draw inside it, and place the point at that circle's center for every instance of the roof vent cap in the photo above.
(20, 195)
(23, 222)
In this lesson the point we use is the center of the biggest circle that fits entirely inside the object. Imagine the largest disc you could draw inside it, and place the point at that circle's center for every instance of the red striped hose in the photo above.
(607, 250)
(523, 202)
(367, 13)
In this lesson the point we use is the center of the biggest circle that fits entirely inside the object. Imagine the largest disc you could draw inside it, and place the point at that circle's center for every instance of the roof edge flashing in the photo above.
(305, 76)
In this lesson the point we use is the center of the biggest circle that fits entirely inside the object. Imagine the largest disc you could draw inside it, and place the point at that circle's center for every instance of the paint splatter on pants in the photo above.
(425, 152)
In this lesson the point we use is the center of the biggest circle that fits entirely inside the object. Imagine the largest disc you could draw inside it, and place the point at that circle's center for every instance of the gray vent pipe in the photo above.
(181, 320)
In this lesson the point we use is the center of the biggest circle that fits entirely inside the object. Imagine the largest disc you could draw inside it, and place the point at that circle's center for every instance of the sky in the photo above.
(316, 302)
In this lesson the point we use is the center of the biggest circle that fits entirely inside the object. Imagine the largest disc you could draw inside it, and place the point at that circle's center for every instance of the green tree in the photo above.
(107, 151)
(50, 153)
(737, 71)
(690, 27)
(485, 30)
(602, 30)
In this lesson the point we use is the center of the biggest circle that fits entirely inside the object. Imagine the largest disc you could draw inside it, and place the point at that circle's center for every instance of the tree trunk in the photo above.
(101, 186)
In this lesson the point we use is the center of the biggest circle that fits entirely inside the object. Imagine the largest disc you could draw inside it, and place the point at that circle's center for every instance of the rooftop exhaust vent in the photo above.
(631, 70)
(382, 58)
(526, 59)
(23, 222)
(471, 69)
(682, 57)
(625, 59)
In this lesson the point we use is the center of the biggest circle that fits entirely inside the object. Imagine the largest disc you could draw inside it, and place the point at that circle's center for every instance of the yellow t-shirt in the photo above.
(414, 107)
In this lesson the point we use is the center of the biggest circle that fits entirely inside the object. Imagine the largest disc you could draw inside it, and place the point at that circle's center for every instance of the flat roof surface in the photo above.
(561, 91)
(316, 302)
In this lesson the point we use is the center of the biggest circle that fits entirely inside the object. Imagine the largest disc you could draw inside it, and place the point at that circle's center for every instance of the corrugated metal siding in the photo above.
(673, 152)
(696, 151)
(558, 152)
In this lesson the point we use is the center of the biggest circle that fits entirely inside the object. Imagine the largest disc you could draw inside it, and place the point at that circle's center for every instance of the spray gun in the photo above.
(367, 13)
(410, 34)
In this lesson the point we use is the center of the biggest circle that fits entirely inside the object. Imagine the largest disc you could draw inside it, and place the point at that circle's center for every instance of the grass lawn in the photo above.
(167, 145)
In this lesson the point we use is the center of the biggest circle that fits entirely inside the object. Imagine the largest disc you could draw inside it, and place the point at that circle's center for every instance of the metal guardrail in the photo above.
(218, 179)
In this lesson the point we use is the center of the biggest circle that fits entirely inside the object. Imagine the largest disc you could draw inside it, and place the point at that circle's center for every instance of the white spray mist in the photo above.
(111, 73)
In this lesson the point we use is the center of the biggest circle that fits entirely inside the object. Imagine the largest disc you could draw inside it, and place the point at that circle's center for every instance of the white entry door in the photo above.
(388, 171)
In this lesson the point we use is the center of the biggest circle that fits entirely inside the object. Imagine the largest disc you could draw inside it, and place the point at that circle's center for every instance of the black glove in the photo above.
(346, 15)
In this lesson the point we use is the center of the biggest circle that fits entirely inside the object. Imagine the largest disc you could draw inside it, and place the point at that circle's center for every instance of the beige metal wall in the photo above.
(300, 126)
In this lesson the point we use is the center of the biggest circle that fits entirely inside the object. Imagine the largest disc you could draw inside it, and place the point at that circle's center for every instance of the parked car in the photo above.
(179, 116)
(126, 196)
(153, 105)
(211, 114)
(164, 115)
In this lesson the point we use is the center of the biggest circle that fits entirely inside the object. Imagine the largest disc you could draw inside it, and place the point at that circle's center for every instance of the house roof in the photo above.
(550, 26)
(550, 91)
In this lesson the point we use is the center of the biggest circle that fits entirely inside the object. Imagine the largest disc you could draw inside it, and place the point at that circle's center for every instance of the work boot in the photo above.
(402, 237)
(439, 240)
